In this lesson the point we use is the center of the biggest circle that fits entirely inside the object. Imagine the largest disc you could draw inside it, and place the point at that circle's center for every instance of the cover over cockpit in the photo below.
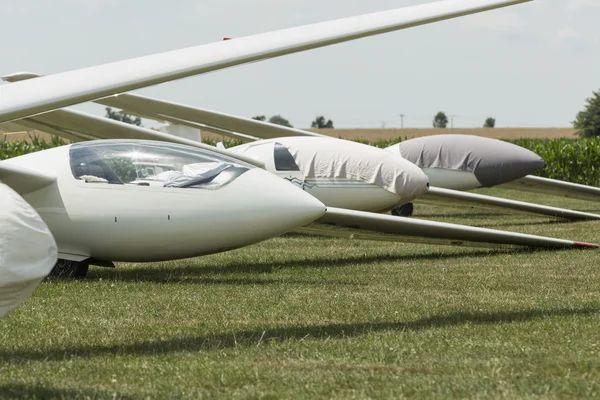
(151, 163)
(321, 157)
(492, 161)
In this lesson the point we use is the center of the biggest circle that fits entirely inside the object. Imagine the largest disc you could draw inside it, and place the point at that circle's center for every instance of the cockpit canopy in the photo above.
(151, 163)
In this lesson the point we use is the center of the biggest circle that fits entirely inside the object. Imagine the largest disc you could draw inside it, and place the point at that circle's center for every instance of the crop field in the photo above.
(308, 317)
(374, 134)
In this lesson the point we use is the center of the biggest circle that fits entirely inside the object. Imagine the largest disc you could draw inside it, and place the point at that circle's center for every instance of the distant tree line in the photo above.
(320, 122)
(587, 121)
(440, 120)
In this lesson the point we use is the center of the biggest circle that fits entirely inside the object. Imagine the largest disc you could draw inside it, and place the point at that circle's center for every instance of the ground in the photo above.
(307, 317)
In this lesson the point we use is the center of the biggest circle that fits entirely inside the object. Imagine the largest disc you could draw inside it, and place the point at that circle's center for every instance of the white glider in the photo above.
(132, 200)
(469, 162)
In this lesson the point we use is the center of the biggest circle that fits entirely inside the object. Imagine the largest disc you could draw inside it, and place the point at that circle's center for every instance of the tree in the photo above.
(489, 122)
(260, 118)
(279, 120)
(440, 120)
(587, 121)
(122, 117)
(320, 123)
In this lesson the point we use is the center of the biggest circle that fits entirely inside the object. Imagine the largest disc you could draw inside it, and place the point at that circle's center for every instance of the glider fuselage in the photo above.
(341, 173)
(135, 221)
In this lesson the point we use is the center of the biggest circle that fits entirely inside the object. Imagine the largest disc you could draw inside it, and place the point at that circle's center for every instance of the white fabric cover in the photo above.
(201, 168)
(27, 250)
(319, 157)
(192, 171)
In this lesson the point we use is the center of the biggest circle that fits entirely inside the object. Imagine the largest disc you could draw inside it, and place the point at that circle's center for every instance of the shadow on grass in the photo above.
(267, 336)
(190, 275)
(24, 392)
(463, 214)
(496, 223)
(197, 273)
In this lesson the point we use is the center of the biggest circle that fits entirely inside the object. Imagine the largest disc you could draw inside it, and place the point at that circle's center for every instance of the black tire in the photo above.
(405, 210)
(70, 269)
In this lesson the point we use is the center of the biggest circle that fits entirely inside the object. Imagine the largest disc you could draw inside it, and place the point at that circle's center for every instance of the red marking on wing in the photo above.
(586, 245)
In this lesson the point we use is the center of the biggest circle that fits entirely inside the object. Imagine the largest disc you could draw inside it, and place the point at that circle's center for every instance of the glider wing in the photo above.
(445, 197)
(200, 118)
(77, 125)
(364, 225)
(39, 95)
(537, 184)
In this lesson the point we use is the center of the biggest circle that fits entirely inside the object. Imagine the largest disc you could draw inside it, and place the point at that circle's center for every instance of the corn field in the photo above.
(573, 160)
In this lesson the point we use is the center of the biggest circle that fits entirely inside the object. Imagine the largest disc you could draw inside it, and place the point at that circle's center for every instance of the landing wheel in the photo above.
(405, 210)
(70, 269)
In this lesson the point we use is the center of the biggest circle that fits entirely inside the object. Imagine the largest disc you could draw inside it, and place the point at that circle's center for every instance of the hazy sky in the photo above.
(528, 65)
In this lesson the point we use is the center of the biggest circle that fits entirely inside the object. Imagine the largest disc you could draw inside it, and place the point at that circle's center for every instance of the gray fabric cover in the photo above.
(492, 161)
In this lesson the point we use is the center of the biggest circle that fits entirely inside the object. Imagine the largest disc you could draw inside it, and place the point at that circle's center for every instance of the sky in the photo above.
(530, 65)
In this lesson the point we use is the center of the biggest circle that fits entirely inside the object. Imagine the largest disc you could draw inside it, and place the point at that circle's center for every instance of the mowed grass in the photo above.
(308, 317)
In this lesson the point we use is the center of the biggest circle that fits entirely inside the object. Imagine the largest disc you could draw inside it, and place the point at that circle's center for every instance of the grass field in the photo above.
(307, 317)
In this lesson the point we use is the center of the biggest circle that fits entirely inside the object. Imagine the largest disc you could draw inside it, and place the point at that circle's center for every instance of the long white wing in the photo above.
(226, 124)
(440, 196)
(76, 125)
(555, 187)
(39, 95)
(370, 226)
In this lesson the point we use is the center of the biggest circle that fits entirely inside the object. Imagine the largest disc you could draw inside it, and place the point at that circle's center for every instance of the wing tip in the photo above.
(584, 245)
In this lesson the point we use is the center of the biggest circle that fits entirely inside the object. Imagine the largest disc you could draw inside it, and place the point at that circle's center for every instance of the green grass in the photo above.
(307, 317)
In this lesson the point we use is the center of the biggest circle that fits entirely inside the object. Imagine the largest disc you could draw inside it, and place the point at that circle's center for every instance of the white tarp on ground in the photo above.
(27, 250)
(318, 157)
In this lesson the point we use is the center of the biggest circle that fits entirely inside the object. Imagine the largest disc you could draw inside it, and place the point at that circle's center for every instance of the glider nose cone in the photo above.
(411, 182)
(492, 161)
(527, 164)
(507, 163)
(275, 205)
(294, 205)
